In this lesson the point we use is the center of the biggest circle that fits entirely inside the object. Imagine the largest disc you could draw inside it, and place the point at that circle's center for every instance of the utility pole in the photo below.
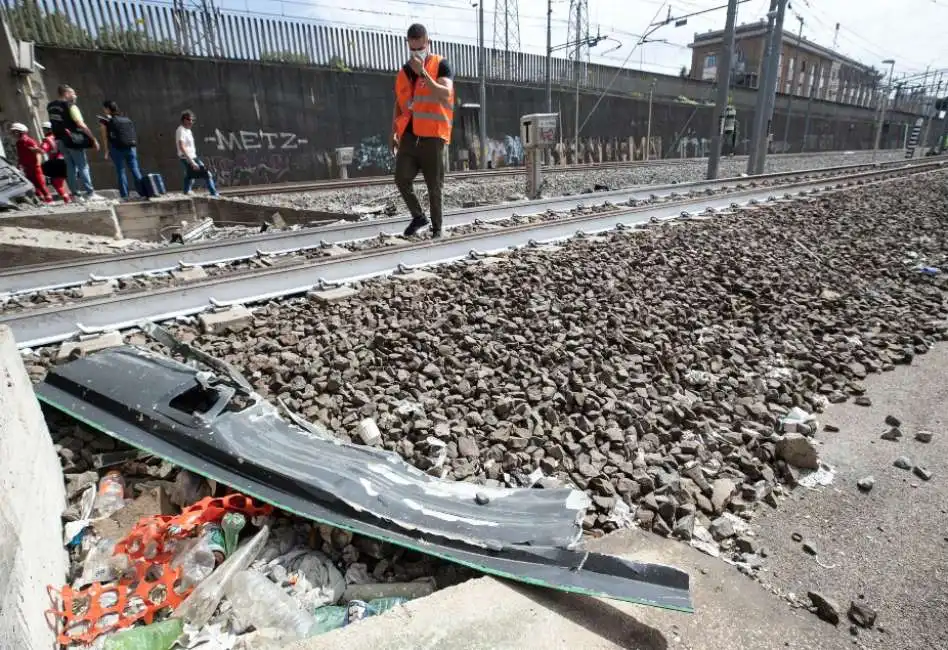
(648, 129)
(482, 70)
(549, 56)
(928, 118)
(579, 41)
(793, 81)
(771, 92)
(885, 102)
(724, 86)
(763, 84)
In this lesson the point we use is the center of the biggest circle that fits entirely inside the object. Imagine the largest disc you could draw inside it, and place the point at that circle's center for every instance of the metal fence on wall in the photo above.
(163, 28)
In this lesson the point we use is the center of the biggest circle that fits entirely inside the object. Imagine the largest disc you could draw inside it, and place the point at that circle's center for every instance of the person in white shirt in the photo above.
(193, 167)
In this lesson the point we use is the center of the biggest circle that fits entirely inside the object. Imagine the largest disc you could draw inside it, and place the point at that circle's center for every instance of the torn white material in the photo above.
(823, 476)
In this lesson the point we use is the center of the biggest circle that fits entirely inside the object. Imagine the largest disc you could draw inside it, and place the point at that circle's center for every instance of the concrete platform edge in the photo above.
(32, 498)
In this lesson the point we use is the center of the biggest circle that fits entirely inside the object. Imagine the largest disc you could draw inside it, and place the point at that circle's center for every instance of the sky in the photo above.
(909, 31)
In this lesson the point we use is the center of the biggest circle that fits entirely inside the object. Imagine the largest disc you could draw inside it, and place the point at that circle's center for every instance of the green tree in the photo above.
(285, 56)
(30, 23)
(133, 40)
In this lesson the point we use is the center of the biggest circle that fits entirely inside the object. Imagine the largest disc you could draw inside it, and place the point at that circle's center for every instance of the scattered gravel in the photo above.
(464, 193)
(650, 369)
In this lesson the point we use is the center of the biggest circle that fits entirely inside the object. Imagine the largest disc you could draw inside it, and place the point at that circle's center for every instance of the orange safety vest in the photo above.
(430, 117)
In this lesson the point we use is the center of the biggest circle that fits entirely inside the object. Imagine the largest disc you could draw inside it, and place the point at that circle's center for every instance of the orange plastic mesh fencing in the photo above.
(150, 536)
(146, 589)
(150, 585)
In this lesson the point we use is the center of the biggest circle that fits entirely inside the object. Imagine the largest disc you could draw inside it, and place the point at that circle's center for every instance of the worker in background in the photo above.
(421, 127)
(55, 166)
(29, 156)
(118, 132)
(730, 129)
(73, 138)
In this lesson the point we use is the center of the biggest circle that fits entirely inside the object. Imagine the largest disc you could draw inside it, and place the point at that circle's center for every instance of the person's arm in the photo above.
(76, 116)
(444, 84)
(183, 151)
(104, 131)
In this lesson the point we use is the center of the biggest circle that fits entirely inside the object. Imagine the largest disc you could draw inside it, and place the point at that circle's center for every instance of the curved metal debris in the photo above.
(216, 426)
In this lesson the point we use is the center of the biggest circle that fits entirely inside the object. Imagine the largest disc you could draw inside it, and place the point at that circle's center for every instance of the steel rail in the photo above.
(63, 275)
(367, 181)
(45, 326)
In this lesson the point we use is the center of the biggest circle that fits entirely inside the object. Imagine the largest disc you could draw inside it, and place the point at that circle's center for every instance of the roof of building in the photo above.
(760, 28)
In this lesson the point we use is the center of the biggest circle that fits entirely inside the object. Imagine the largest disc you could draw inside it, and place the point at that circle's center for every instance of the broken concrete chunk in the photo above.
(798, 450)
(866, 484)
(922, 473)
(368, 432)
(892, 434)
(861, 614)
(826, 608)
(924, 436)
(903, 462)
(233, 319)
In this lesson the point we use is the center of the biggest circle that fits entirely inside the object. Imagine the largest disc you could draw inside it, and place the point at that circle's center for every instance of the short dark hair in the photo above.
(62, 89)
(110, 106)
(187, 115)
(417, 31)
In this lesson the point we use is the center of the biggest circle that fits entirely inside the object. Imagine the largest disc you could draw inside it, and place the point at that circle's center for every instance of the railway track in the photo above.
(38, 327)
(367, 181)
(58, 276)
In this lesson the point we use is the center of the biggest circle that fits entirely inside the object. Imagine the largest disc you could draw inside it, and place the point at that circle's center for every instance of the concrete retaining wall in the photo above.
(266, 123)
(32, 499)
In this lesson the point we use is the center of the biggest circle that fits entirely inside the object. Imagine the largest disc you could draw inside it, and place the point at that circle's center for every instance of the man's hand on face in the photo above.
(417, 65)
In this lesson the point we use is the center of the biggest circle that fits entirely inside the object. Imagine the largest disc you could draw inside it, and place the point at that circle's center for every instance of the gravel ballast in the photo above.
(652, 370)
(498, 189)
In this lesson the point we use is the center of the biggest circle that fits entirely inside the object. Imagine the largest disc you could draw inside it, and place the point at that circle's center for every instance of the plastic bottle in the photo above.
(261, 603)
(157, 636)
(198, 608)
(232, 523)
(111, 496)
(197, 562)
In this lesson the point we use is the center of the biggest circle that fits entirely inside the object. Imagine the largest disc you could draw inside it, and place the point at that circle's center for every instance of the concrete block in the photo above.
(89, 345)
(416, 276)
(31, 501)
(14, 255)
(96, 289)
(338, 294)
(146, 220)
(189, 274)
(232, 319)
(94, 221)
(336, 251)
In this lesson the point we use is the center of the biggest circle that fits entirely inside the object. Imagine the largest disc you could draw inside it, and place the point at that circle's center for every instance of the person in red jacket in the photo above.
(55, 166)
(30, 157)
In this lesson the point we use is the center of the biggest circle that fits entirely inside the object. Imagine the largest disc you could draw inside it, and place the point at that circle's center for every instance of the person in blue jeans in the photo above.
(119, 132)
(187, 153)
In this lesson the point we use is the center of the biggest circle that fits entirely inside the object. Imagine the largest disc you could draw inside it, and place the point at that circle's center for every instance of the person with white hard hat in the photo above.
(29, 155)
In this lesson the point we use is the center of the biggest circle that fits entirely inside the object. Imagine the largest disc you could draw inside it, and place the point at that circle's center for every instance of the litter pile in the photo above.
(365, 533)
(148, 575)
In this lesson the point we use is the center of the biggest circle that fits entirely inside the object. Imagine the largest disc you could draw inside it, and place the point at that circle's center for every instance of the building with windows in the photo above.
(805, 67)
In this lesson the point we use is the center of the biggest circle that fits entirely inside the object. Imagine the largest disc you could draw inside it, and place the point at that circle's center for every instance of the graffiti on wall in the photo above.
(258, 140)
(507, 152)
(248, 168)
(374, 152)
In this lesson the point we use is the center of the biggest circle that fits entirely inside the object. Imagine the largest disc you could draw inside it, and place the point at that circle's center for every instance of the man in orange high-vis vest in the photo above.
(421, 128)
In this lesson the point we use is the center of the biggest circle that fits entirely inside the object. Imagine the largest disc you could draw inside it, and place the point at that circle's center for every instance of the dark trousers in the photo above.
(427, 155)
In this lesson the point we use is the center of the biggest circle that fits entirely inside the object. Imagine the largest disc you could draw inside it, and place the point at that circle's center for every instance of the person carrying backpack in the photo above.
(119, 132)
(73, 137)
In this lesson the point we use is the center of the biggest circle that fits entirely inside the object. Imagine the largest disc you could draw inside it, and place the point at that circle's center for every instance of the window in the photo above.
(711, 61)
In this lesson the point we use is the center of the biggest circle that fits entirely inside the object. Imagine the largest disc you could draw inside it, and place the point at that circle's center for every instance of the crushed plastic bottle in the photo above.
(157, 636)
(259, 602)
(198, 608)
(111, 496)
(97, 566)
(197, 561)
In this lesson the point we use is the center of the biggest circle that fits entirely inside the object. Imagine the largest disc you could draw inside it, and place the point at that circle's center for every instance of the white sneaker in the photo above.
(95, 197)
